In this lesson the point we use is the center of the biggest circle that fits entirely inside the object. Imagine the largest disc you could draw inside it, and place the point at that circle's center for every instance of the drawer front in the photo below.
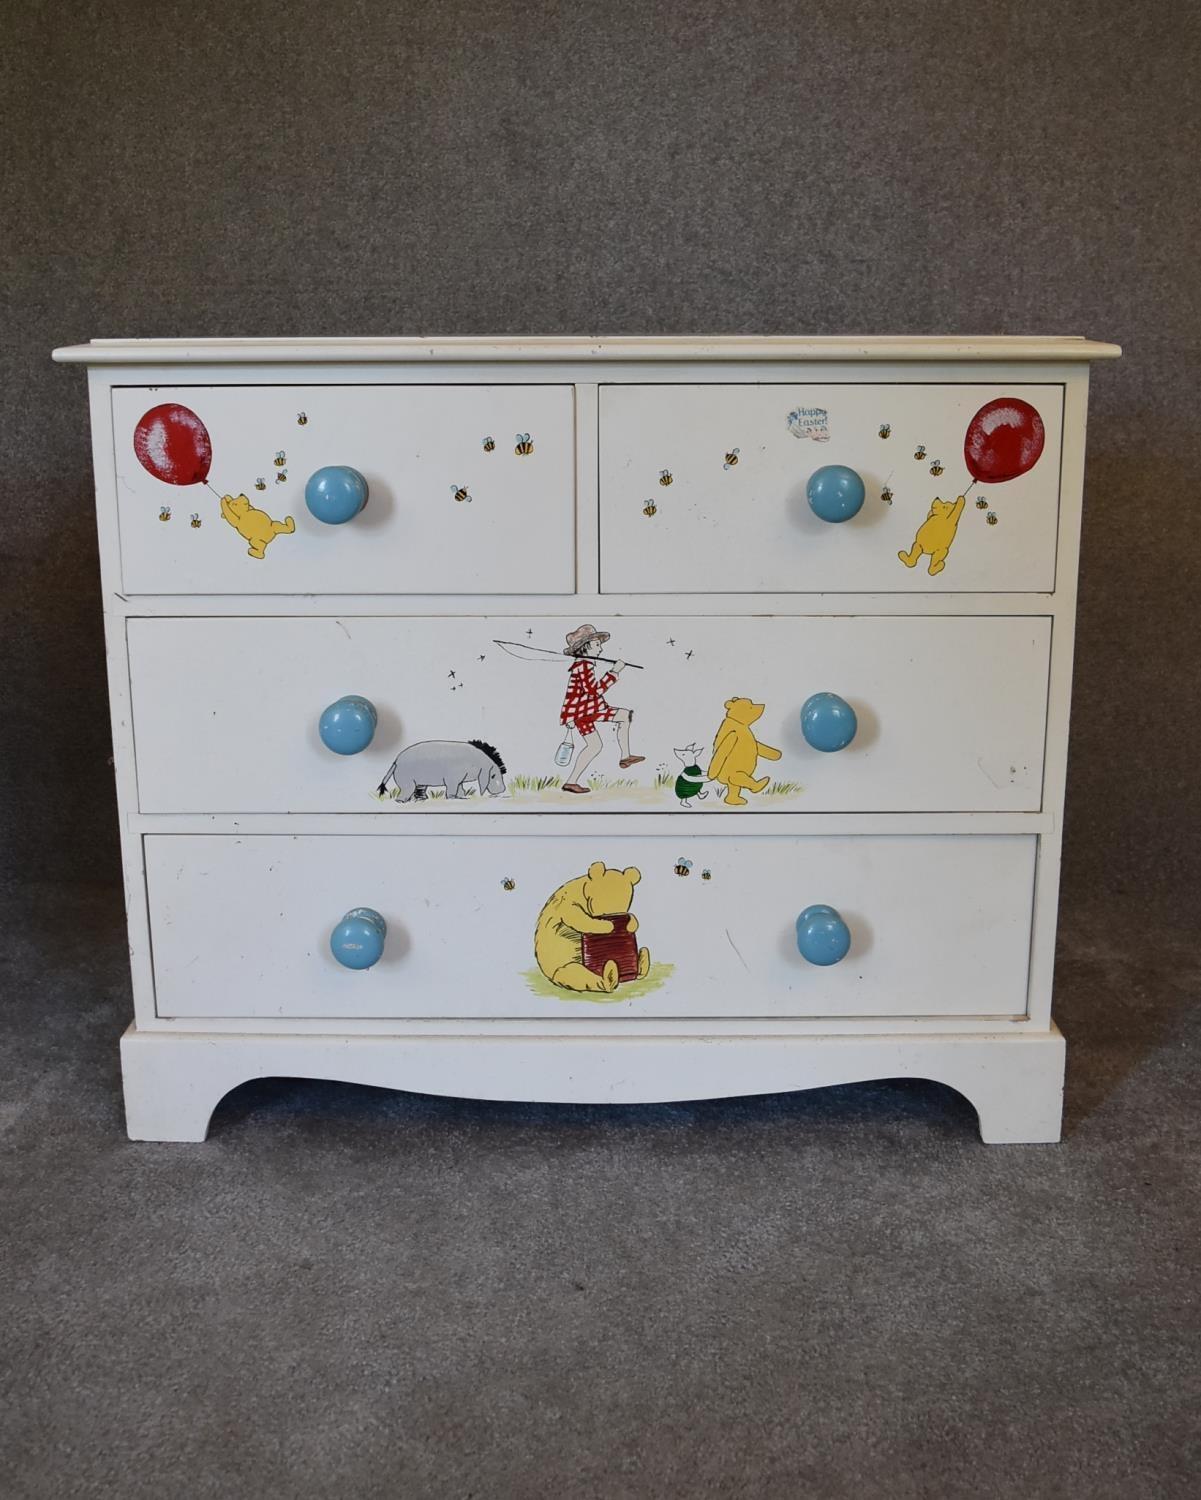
(240, 926)
(950, 711)
(703, 488)
(510, 531)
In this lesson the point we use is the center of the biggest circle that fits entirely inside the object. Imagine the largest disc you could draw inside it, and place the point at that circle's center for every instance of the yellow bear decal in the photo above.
(736, 752)
(586, 905)
(255, 525)
(935, 535)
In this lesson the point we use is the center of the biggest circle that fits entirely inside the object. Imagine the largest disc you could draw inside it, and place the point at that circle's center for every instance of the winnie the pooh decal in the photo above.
(253, 525)
(935, 535)
(736, 752)
(584, 940)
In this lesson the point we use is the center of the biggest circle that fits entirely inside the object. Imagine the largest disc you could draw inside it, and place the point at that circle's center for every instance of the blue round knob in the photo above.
(357, 941)
(348, 726)
(822, 937)
(835, 493)
(336, 494)
(828, 722)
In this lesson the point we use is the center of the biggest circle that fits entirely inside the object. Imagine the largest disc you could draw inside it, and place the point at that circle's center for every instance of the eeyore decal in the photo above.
(450, 764)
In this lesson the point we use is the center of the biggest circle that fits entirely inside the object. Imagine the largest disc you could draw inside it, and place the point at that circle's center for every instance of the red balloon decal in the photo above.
(1004, 440)
(173, 444)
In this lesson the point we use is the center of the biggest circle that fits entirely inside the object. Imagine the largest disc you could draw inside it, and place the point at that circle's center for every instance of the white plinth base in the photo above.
(174, 1081)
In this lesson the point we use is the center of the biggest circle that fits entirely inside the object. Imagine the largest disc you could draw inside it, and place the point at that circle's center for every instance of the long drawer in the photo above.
(471, 489)
(704, 487)
(240, 926)
(950, 710)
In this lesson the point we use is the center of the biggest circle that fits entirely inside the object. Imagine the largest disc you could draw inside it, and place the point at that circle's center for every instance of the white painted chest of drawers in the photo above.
(794, 618)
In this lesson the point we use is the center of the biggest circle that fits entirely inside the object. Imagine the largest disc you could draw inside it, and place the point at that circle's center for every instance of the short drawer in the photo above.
(476, 925)
(471, 489)
(950, 715)
(704, 488)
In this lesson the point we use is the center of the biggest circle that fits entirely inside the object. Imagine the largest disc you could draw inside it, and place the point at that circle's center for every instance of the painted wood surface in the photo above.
(704, 488)
(176, 1068)
(951, 713)
(1013, 1080)
(240, 926)
(446, 513)
(524, 349)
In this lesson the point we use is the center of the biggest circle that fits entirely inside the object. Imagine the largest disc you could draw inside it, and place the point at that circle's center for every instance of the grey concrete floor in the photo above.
(347, 1292)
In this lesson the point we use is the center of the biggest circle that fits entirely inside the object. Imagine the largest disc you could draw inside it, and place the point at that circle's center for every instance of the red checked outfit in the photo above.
(585, 706)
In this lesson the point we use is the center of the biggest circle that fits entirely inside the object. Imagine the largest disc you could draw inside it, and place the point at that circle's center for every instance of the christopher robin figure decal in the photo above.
(584, 705)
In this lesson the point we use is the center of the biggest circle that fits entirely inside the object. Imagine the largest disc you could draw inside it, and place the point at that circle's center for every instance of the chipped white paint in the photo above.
(935, 735)
(749, 528)
(414, 446)
(1014, 1080)
(941, 925)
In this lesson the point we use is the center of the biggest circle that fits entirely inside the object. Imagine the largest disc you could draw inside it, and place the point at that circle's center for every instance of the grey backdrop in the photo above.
(837, 1293)
(641, 166)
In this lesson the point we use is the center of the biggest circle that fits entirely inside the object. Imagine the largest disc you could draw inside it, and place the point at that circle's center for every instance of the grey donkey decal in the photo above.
(451, 764)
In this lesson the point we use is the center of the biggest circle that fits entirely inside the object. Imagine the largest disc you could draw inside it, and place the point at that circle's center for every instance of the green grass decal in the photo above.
(634, 990)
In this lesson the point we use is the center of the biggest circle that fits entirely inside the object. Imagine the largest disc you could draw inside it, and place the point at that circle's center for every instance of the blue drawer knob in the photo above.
(348, 726)
(835, 493)
(828, 722)
(336, 494)
(357, 941)
(822, 937)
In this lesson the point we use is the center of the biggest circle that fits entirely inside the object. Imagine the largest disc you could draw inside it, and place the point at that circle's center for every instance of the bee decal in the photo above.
(731, 459)
(920, 452)
(683, 866)
(706, 874)
(281, 476)
(665, 477)
(508, 884)
(459, 491)
(195, 521)
(885, 430)
(301, 419)
(281, 459)
(260, 484)
(982, 503)
(650, 508)
(489, 444)
(886, 495)
(936, 467)
(524, 445)
(991, 518)
(165, 513)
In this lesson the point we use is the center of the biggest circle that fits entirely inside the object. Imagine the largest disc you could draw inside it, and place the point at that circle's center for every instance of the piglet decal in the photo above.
(690, 782)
